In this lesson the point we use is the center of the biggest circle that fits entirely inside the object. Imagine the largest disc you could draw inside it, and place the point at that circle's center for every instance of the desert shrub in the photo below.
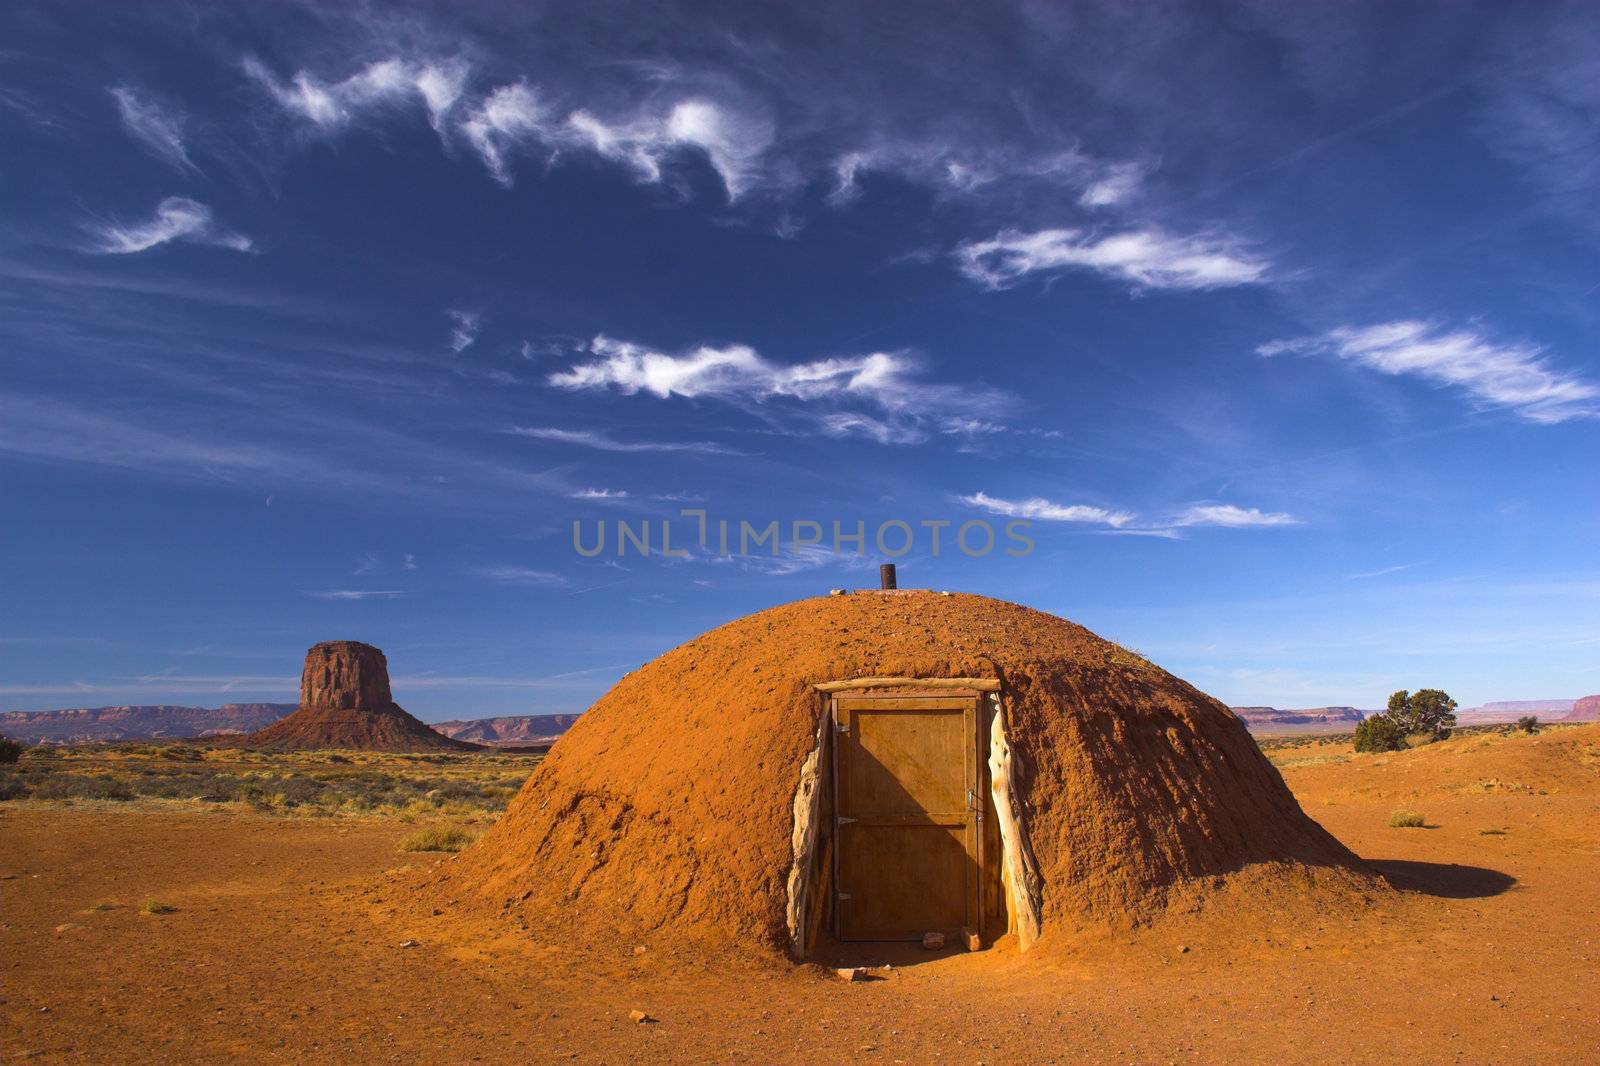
(1528, 723)
(10, 750)
(81, 786)
(1406, 820)
(12, 786)
(438, 838)
(155, 906)
(1380, 732)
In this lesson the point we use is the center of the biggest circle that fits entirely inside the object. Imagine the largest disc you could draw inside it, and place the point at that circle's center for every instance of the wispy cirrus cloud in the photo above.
(1228, 516)
(890, 383)
(177, 218)
(515, 116)
(159, 129)
(1222, 515)
(1044, 510)
(600, 494)
(464, 327)
(436, 84)
(1515, 376)
(519, 576)
(590, 438)
(1145, 258)
(353, 595)
(1383, 572)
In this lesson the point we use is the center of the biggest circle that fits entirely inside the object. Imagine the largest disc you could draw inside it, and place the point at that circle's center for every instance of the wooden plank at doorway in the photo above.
(907, 850)
(976, 684)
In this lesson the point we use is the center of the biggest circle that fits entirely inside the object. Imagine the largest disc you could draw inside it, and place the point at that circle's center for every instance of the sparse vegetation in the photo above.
(1379, 733)
(316, 784)
(438, 838)
(155, 906)
(1528, 723)
(10, 750)
(1406, 820)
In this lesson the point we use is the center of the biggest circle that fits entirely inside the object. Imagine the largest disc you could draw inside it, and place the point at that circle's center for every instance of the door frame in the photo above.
(975, 726)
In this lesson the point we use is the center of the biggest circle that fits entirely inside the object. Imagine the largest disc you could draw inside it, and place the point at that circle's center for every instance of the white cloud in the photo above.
(463, 329)
(158, 129)
(738, 372)
(177, 218)
(1117, 185)
(509, 114)
(606, 443)
(1047, 511)
(519, 576)
(600, 494)
(329, 105)
(408, 562)
(965, 169)
(886, 381)
(1146, 258)
(1513, 376)
(354, 594)
(1231, 517)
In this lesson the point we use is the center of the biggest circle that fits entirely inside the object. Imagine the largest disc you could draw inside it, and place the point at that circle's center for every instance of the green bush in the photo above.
(10, 750)
(1380, 733)
(1429, 711)
(1528, 723)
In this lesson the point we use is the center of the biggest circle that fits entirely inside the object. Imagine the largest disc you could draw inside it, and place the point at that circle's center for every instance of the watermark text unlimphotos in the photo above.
(740, 537)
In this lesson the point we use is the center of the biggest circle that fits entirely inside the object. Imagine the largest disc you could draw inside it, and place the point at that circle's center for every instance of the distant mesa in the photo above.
(509, 730)
(345, 702)
(106, 725)
(1310, 720)
(1500, 711)
(1584, 710)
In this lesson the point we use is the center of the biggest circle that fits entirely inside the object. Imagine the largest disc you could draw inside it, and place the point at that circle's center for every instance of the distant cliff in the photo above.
(91, 725)
(1307, 720)
(87, 725)
(513, 729)
(1584, 710)
(1511, 710)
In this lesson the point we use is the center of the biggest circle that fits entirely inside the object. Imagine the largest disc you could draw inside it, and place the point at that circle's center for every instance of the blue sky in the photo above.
(1275, 322)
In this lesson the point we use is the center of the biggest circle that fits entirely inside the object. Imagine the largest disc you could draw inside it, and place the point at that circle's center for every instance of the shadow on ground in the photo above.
(1445, 880)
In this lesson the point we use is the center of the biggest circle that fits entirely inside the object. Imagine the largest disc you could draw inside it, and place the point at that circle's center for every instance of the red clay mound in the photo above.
(345, 703)
(670, 805)
(1585, 710)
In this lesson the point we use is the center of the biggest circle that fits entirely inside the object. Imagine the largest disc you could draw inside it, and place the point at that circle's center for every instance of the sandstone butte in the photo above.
(345, 702)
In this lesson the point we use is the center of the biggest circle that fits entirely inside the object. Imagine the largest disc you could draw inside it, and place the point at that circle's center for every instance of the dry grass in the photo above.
(155, 906)
(438, 838)
(1407, 820)
(314, 784)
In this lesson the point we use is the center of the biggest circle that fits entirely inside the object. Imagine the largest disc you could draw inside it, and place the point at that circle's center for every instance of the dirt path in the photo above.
(285, 945)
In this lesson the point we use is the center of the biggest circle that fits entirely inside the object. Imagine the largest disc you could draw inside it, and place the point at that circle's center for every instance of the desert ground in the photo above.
(259, 908)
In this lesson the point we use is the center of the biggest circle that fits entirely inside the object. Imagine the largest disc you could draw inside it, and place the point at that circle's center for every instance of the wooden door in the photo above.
(907, 850)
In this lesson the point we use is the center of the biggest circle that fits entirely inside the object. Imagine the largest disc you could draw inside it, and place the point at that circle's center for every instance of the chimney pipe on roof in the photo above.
(886, 579)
